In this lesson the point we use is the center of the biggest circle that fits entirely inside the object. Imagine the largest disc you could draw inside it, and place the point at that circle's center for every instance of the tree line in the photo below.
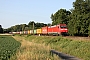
(77, 19)
(25, 27)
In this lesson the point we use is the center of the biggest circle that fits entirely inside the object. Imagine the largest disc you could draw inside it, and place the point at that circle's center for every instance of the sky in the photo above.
(13, 12)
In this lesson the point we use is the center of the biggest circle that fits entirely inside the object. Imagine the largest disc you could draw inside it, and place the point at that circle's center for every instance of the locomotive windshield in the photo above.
(63, 26)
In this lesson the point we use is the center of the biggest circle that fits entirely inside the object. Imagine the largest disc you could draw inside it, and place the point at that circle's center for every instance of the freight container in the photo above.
(25, 32)
(45, 30)
(35, 31)
(20, 32)
(14, 32)
(53, 29)
(39, 31)
(28, 31)
(31, 31)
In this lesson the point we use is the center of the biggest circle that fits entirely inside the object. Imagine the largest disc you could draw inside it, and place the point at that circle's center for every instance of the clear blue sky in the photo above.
(13, 12)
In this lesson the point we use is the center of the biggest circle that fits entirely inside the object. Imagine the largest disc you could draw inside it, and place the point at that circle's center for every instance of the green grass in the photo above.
(75, 48)
(8, 47)
(32, 51)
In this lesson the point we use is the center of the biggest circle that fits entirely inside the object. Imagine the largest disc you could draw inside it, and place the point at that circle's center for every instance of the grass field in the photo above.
(8, 47)
(33, 51)
(77, 48)
(38, 47)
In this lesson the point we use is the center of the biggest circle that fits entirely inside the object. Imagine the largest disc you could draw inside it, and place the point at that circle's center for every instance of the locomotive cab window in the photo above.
(58, 26)
(63, 26)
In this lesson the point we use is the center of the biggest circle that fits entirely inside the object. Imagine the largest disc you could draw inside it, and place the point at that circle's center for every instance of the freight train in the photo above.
(48, 30)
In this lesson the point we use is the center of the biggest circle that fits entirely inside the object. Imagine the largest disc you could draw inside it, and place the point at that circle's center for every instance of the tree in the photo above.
(49, 24)
(36, 25)
(1, 29)
(30, 25)
(39, 25)
(79, 18)
(23, 27)
(61, 16)
(17, 28)
(89, 30)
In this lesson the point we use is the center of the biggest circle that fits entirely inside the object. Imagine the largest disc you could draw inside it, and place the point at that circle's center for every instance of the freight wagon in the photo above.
(45, 30)
(39, 31)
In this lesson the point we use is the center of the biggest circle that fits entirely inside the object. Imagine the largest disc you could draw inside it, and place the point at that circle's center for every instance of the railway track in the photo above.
(71, 37)
(77, 38)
